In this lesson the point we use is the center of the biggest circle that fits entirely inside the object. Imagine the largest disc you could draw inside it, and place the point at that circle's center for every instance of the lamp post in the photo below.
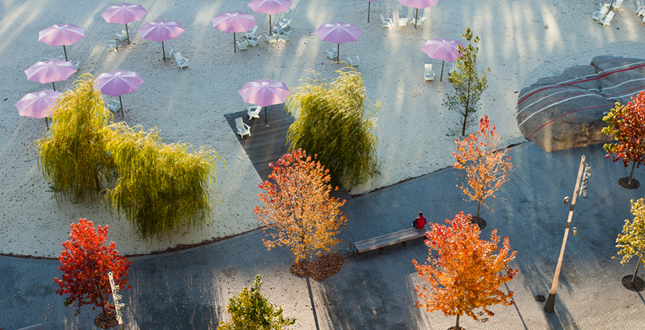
(116, 297)
(550, 301)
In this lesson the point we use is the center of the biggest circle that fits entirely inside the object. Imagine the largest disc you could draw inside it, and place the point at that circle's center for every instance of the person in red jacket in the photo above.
(419, 222)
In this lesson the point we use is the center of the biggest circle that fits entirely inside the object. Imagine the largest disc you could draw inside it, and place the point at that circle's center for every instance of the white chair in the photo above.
(182, 62)
(607, 19)
(332, 53)
(121, 36)
(111, 45)
(387, 22)
(168, 54)
(420, 23)
(277, 29)
(428, 74)
(242, 128)
(353, 61)
(403, 21)
(617, 4)
(243, 45)
(272, 39)
(597, 15)
(250, 34)
(253, 112)
(285, 23)
(252, 42)
(114, 106)
(77, 65)
(640, 11)
(285, 37)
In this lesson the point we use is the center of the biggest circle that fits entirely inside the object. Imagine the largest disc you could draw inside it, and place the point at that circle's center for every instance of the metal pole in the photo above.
(115, 298)
(54, 86)
(369, 4)
(338, 53)
(121, 103)
(416, 19)
(550, 301)
(65, 50)
(163, 52)
(441, 77)
(234, 49)
(266, 114)
(128, 33)
(269, 25)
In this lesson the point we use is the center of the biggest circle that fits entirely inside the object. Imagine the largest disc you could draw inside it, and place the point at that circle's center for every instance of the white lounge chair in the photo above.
(277, 29)
(242, 128)
(272, 39)
(617, 3)
(285, 37)
(252, 42)
(420, 23)
(121, 36)
(114, 106)
(182, 62)
(354, 61)
(250, 34)
(111, 45)
(387, 22)
(285, 23)
(332, 54)
(169, 54)
(403, 21)
(428, 74)
(242, 45)
(253, 112)
(607, 19)
(598, 15)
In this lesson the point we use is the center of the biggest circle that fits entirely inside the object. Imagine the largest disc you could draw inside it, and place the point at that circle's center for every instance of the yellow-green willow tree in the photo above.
(336, 121)
(161, 187)
(72, 155)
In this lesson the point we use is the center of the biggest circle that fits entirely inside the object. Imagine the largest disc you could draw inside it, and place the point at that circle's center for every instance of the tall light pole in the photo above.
(116, 297)
(550, 301)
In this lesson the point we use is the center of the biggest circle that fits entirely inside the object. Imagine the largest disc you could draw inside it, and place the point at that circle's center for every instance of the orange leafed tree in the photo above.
(464, 273)
(486, 167)
(298, 210)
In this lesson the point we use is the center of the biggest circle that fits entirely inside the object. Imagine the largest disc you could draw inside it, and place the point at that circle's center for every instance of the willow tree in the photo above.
(336, 121)
(72, 155)
(161, 187)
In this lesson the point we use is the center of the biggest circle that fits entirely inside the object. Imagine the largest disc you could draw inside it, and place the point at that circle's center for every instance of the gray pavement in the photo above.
(190, 289)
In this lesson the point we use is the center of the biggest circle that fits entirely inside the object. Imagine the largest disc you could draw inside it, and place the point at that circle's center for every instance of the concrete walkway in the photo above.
(190, 289)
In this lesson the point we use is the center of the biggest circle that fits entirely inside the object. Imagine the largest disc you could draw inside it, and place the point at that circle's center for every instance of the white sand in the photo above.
(416, 132)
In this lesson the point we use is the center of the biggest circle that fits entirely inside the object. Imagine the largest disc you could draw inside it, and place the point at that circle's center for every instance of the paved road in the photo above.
(189, 289)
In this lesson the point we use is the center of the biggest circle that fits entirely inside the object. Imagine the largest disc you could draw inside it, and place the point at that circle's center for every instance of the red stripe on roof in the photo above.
(566, 114)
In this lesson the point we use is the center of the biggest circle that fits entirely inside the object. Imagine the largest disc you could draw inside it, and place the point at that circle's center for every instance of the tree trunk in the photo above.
(467, 109)
(478, 205)
(636, 271)
(631, 173)
(457, 326)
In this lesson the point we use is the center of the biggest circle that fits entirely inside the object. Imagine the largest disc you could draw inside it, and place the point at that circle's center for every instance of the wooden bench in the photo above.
(400, 236)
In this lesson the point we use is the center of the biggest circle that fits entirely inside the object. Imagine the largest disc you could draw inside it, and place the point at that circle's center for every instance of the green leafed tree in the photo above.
(72, 156)
(468, 85)
(161, 187)
(336, 121)
(252, 311)
(631, 241)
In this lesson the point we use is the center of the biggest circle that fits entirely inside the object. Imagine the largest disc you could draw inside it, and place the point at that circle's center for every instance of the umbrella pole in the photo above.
(163, 52)
(266, 114)
(47, 122)
(65, 50)
(128, 33)
(122, 111)
(441, 77)
(234, 49)
(416, 20)
(54, 86)
(369, 4)
(338, 53)
(269, 25)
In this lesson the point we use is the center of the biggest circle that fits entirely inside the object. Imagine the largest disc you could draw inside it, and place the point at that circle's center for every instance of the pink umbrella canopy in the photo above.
(442, 49)
(234, 21)
(270, 7)
(338, 33)
(37, 105)
(161, 31)
(124, 14)
(49, 71)
(61, 35)
(117, 83)
(264, 92)
(418, 4)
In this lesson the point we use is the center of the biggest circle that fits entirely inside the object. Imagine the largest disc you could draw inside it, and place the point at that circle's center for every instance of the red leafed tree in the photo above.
(486, 167)
(298, 208)
(627, 124)
(464, 273)
(85, 263)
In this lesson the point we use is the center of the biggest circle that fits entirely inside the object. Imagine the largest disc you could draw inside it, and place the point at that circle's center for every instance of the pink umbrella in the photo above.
(65, 34)
(161, 31)
(369, 3)
(38, 105)
(117, 83)
(270, 7)
(234, 21)
(264, 93)
(50, 71)
(124, 14)
(418, 4)
(442, 49)
(338, 33)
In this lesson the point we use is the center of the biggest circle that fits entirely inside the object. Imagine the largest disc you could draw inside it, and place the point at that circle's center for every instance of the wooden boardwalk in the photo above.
(268, 143)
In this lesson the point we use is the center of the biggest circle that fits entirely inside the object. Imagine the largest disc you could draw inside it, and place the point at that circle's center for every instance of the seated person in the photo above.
(419, 222)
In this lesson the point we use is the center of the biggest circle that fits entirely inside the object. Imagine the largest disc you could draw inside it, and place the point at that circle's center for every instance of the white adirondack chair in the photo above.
(182, 62)
(332, 53)
(607, 19)
(354, 61)
(168, 54)
(387, 22)
(598, 15)
(121, 36)
(242, 45)
(242, 128)
(111, 45)
(253, 112)
(428, 74)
